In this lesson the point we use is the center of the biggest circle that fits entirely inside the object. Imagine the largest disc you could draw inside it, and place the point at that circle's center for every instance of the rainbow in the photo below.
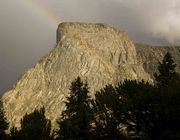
(43, 11)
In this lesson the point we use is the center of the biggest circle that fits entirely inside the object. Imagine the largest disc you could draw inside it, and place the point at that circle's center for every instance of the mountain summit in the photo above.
(98, 53)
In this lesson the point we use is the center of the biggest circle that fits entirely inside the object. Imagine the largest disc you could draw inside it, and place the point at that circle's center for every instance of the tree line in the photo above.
(132, 110)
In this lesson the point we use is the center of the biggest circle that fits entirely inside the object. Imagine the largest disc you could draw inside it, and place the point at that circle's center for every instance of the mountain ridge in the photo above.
(98, 53)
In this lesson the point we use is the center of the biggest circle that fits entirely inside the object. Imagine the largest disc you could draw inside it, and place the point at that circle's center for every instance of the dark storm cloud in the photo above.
(25, 35)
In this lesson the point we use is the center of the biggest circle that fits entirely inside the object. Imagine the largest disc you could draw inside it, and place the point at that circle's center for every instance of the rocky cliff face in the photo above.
(150, 56)
(97, 53)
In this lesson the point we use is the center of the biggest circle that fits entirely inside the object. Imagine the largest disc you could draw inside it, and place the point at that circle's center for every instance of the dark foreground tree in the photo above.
(167, 73)
(139, 100)
(34, 126)
(14, 134)
(149, 113)
(75, 121)
(108, 114)
(155, 111)
(3, 122)
(168, 105)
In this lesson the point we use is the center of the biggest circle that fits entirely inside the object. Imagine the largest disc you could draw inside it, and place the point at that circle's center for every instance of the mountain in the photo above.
(97, 53)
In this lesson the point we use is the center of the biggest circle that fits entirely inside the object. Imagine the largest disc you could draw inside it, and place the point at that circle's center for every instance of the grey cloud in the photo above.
(147, 21)
(156, 19)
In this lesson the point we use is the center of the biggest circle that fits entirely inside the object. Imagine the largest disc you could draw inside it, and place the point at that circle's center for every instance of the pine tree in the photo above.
(107, 109)
(139, 99)
(34, 126)
(3, 122)
(166, 71)
(168, 107)
(75, 121)
(14, 134)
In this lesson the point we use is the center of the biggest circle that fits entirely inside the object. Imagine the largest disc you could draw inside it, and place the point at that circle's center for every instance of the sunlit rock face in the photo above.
(97, 53)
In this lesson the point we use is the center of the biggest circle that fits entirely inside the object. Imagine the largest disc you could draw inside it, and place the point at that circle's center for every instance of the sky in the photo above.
(28, 27)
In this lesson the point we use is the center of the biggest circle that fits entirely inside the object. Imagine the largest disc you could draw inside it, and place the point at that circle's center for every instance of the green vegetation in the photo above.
(34, 126)
(167, 74)
(75, 121)
(132, 110)
(3, 122)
